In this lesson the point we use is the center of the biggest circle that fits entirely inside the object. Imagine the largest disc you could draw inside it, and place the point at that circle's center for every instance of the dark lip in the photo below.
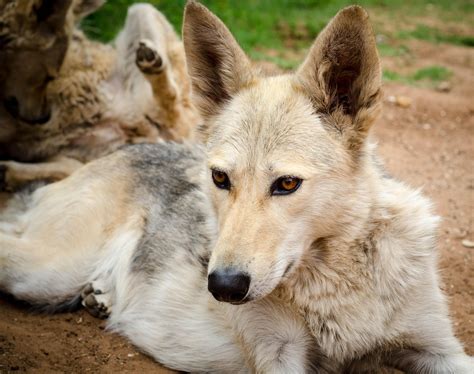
(37, 121)
(244, 301)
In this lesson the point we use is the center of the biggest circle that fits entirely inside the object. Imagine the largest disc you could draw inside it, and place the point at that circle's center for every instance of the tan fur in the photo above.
(18, 174)
(93, 220)
(32, 31)
(99, 100)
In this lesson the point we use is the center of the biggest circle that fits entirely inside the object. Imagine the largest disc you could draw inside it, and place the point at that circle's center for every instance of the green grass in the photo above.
(390, 75)
(430, 76)
(434, 35)
(282, 25)
(259, 23)
(390, 50)
(282, 62)
(432, 73)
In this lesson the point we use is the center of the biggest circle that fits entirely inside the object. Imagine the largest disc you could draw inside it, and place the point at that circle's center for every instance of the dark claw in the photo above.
(88, 289)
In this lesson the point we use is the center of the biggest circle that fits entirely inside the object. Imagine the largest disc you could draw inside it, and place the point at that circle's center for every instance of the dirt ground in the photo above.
(428, 141)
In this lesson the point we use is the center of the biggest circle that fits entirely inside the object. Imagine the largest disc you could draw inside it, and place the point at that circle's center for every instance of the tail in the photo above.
(71, 304)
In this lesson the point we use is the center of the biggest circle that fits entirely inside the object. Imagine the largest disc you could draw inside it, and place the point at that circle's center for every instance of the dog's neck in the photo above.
(335, 272)
(333, 264)
(348, 286)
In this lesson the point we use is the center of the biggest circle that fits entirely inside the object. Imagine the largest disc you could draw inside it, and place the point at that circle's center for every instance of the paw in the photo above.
(96, 301)
(148, 59)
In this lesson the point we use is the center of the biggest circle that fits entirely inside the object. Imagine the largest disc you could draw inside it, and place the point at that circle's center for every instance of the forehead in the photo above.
(271, 125)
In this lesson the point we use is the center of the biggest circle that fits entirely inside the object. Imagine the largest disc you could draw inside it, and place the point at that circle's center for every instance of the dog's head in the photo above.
(34, 37)
(283, 151)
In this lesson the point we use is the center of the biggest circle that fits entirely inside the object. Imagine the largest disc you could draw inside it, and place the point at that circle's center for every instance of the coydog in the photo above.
(281, 248)
(65, 99)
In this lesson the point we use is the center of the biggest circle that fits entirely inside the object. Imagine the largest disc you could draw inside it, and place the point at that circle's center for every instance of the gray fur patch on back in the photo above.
(177, 213)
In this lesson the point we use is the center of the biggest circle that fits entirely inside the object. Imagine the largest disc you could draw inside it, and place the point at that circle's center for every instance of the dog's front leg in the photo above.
(274, 338)
(429, 344)
(153, 40)
(14, 175)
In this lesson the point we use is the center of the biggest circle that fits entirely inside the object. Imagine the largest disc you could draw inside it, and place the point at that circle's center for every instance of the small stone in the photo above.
(444, 87)
(391, 99)
(380, 39)
(468, 243)
(459, 233)
(403, 101)
(79, 321)
(130, 355)
(426, 126)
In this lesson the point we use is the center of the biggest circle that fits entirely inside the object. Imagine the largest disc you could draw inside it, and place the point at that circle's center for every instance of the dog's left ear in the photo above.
(51, 14)
(342, 75)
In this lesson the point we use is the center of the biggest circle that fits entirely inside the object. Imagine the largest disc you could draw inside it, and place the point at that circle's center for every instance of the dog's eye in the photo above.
(285, 185)
(221, 179)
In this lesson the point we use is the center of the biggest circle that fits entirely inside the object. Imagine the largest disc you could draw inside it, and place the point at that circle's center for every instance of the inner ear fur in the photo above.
(342, 74)
(216, 64)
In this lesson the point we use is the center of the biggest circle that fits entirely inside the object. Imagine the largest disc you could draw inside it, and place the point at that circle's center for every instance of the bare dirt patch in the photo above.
(429, 144)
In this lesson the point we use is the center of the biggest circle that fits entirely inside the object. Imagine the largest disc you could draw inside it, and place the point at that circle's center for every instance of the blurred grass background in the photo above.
(280, 31)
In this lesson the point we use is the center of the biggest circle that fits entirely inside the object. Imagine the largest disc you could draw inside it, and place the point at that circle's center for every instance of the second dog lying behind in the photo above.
(92, 97)
(322, 263)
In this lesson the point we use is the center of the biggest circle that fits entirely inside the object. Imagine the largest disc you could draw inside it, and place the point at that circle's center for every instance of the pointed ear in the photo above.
(342, 74)
(51, 14)
(216, 64)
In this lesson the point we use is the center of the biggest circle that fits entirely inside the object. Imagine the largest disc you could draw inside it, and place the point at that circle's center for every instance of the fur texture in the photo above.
(92, 97)
(342, 271)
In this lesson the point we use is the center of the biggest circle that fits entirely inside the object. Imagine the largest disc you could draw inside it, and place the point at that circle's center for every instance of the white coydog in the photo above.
(282, 248)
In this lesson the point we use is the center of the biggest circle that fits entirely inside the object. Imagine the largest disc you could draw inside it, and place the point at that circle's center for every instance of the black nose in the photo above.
(12, 106)
(228, 285)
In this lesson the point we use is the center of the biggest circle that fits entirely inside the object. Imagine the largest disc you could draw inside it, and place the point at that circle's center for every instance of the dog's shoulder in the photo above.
(164, 152)
(403, 239)
(406, 216)
(167, 167)
(178, 220)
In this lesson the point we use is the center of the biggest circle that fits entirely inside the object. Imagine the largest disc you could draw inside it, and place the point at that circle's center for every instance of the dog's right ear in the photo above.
(216, 64)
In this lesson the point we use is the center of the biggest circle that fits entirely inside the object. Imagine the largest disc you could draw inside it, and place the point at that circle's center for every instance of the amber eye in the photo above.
(220, 179)
(285, 185)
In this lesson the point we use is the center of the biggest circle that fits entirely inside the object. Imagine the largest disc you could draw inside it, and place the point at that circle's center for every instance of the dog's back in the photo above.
(140, 229)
